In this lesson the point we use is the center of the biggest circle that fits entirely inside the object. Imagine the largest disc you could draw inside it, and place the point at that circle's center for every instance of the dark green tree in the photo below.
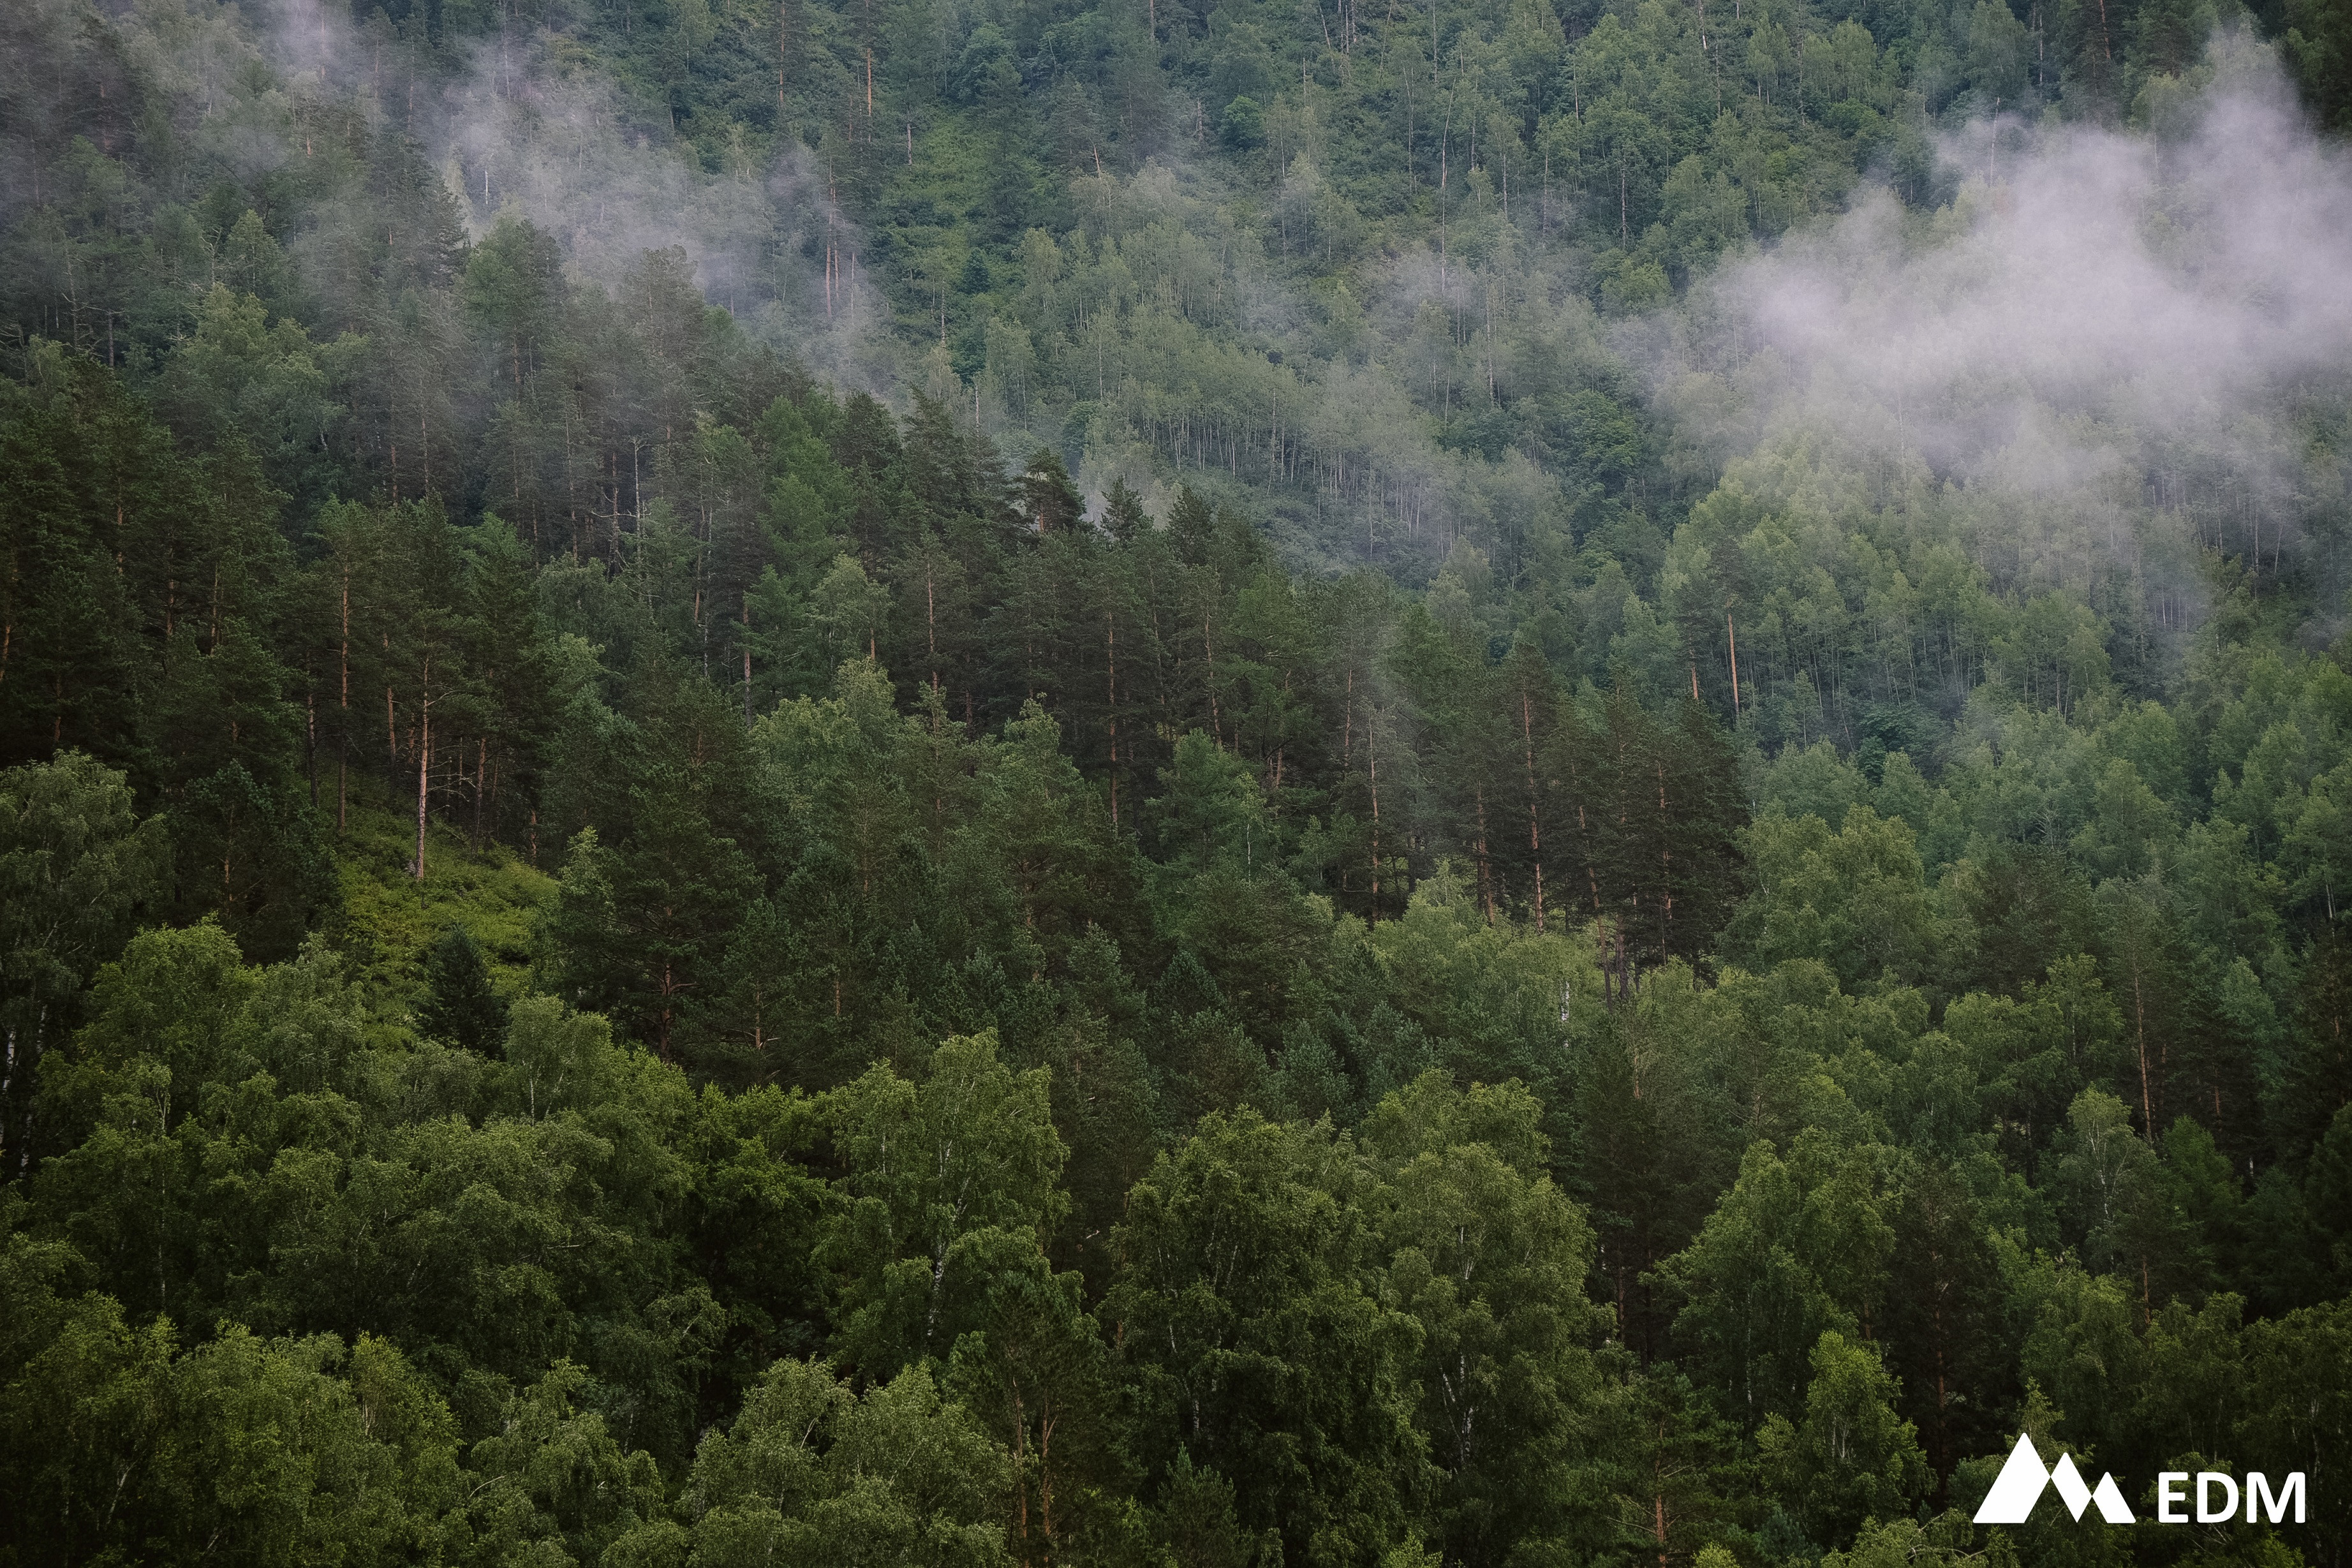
(461, 1005)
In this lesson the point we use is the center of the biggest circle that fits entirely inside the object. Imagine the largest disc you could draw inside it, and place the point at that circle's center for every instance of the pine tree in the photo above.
(461, 1005)
(1050, 500)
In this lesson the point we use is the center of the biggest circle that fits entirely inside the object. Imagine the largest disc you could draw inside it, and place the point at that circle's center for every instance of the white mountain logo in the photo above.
(2019, 1483)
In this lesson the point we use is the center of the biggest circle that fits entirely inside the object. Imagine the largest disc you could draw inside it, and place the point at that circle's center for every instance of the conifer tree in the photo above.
(461, 1005)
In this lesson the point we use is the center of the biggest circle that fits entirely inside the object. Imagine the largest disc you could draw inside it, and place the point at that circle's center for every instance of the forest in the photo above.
(1520, 783)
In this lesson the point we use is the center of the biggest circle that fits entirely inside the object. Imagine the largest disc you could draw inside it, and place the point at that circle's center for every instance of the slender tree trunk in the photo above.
(343, 735)
(1659, 1492)
(1732, 632)
(1020, 1479)
(1046, 1475)
(1535, 824)
(1608, 971)
(1371, 758)
(424, 774)
(1209, 652)
(1665, 867)
(1110, 659)
(1280, 747)
(1486, 882)
(2139, 1027)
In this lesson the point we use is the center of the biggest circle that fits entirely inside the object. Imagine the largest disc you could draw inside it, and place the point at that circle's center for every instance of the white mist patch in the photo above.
(2099, 274)
(518, 132)
(2100, 346)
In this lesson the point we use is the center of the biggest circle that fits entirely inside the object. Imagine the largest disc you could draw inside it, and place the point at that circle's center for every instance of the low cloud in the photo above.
(2103, 346)
(518, 130)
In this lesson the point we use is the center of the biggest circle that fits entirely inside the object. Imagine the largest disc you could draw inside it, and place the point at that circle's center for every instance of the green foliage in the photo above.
(1797, 1250)
(76, 867)
(389, 923)
(1851, 1459)
(552, 1477)
(1489, 1257)
(1855, 900)
(1259, 1340)
(951, 1180)
(1178, 936)
(459, 1005)
(811, 1473)
(282, 1450)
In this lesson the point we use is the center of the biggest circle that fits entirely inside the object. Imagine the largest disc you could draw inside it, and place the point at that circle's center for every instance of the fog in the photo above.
(515, 132)
(2101, 345)
(2094, 353)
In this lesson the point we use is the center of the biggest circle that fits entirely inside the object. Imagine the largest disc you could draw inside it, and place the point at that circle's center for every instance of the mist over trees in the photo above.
(1520, 783)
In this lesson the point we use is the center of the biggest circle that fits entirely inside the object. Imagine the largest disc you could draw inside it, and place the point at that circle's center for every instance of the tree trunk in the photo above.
(2139, 1025)
(1732, 632)
(424, 769)
(1209, 652)
(1110, 658)
(1371, 758)
(1535, 825)
(344, 746)
(1486, 882)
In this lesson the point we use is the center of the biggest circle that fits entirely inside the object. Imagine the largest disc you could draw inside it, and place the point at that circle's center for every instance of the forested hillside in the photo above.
(1535, 783)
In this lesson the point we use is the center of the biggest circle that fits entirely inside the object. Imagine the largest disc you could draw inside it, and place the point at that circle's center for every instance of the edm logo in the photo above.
(2019, 1487)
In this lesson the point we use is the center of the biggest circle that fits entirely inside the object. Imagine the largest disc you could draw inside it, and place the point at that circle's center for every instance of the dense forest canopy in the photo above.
(1527, 783)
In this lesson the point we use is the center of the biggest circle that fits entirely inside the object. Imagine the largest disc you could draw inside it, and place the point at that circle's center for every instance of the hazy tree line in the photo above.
(1271, 919)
